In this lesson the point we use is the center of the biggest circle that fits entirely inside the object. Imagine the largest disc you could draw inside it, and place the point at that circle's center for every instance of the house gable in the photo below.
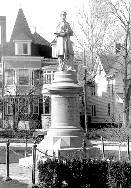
(21, 27)
(21, 35)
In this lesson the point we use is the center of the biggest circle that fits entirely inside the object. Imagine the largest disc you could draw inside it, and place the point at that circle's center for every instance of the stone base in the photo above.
(53, 145)
(56, 143)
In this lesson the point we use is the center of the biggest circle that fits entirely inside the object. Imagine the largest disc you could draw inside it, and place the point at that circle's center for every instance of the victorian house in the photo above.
(21, 73)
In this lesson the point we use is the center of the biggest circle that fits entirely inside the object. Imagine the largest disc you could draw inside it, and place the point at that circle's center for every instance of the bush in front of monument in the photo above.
(74, 173)
(84, 173)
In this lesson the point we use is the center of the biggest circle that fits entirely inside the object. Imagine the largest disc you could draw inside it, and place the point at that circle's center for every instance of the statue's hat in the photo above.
(63, 13)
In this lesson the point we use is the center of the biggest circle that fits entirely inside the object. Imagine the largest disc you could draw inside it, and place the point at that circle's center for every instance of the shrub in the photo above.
(120, 174)
(84, 173)
(75, 173)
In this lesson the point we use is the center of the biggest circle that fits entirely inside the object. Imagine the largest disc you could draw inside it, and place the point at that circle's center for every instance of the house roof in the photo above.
(54, 41)
(21, 26)
(22, 36)
(40, 40)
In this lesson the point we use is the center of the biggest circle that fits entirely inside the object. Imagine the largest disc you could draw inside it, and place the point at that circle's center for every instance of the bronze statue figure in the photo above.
(64, 45)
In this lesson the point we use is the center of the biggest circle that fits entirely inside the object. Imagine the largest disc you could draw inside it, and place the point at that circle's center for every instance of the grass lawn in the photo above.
(15, 155)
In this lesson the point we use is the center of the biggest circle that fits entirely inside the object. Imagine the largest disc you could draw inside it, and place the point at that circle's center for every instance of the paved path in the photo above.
(19, 173)
(110, 145)
(17, 144)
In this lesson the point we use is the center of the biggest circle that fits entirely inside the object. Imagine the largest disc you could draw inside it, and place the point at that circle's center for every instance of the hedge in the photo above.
(9, 133)
(84, 173)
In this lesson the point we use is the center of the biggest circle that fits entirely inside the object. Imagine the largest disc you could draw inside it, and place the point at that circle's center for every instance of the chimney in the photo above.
(3, 29)
(118, 47)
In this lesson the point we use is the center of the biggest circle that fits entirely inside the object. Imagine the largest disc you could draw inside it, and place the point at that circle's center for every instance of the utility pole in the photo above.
(85, 94)
(112, 100)
(3, 86)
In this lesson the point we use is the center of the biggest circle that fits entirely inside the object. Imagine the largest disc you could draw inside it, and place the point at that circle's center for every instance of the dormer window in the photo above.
(22, 48)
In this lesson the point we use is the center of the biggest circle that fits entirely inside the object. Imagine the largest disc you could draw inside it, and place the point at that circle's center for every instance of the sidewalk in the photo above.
(19, 145)
(21, 176)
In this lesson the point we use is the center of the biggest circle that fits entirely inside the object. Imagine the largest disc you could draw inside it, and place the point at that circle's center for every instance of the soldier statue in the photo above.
(64, 45)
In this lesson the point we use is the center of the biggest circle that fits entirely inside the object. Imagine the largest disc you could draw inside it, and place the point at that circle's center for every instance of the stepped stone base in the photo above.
(53, 145)
(56, 143)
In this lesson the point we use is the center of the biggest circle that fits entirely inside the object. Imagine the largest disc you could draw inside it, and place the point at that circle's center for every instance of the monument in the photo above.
(65, 131)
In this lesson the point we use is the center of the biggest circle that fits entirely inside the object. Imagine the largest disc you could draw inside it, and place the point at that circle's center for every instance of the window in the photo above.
(93, 110)
(109, 109)
(36, 106)
(100, 69)
(1, 81)
(23, 77)
(36, 77)
(48, 77)
(22, 48)
(47, 105)
(25, 48)
(9, 77)
(93, 88)
(118, 47)
(9, 106)
(23, 105)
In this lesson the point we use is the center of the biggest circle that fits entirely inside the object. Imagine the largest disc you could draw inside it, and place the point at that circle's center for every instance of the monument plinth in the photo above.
(65, 115)
(65, 131)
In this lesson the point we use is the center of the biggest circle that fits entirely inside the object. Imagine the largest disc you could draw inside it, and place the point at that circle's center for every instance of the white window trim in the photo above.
(28, 47)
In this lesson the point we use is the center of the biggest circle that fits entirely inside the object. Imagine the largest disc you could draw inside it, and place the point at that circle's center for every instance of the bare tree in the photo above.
(93, 22)
(121, 13)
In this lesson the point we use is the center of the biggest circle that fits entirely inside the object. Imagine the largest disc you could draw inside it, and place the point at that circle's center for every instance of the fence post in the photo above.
(7, 161)
(103, 148)
(128, 148)
(84, 148)
(26, 143)
(34, 164)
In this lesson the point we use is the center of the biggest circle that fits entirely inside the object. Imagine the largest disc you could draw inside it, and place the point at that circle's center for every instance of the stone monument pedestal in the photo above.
(65, 131)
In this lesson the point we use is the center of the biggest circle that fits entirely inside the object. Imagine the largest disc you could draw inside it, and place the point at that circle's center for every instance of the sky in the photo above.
(42, 14)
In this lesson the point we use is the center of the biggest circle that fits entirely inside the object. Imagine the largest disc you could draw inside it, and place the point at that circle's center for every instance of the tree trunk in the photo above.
(125, 111)
(125, 82)
(15, 128)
